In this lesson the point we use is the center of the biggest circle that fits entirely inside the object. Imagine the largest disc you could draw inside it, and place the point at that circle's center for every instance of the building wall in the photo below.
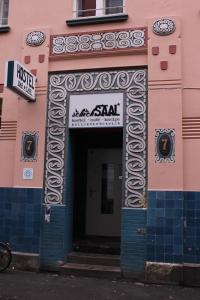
(182, 67)
(173, 103)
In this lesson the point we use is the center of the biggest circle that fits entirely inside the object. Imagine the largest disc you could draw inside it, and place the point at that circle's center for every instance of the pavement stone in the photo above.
(20, 285)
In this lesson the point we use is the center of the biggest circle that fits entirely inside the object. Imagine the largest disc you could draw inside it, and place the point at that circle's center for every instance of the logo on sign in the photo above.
(96, 110)
(99, 110)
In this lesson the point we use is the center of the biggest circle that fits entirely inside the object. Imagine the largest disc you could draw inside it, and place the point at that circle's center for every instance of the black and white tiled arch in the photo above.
(133, 84)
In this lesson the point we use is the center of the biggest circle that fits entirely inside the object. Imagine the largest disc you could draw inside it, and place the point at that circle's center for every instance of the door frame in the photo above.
(132, 83)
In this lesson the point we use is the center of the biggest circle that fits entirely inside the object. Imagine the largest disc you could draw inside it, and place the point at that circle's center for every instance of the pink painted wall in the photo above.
(173, 93)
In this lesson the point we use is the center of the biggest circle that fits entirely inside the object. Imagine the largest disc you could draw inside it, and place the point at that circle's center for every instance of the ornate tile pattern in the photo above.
(133, 84)
(164, 27)
(98, 42)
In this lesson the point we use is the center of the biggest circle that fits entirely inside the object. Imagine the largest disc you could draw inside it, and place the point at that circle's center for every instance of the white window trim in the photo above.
(100, 8)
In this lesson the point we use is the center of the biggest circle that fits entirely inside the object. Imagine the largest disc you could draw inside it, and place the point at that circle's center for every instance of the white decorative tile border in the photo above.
(98, 42)
(132, 83)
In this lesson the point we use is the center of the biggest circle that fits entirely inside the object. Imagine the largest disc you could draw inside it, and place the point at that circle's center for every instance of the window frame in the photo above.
(100, 9)
(4, 13)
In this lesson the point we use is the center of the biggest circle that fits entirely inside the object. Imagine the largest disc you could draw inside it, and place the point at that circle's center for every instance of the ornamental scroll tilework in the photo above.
(129, 39)
(133, 84)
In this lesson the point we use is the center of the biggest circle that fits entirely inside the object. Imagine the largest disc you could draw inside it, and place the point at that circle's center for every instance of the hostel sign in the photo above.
(20, 80)
(96, 110)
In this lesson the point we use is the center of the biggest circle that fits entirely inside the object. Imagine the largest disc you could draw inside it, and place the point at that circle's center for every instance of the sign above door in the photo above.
(96, 110)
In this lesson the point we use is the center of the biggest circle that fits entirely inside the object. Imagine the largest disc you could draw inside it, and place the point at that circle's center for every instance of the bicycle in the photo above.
(5, 256)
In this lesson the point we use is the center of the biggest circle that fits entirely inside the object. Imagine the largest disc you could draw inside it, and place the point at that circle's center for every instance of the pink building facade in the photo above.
(108, 152)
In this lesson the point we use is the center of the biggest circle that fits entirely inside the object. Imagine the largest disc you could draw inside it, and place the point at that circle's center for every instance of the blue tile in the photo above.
(171, 195)
(160, 240)
(160, 203)
(169, 222)
(178, 213)
(197, 214)
(160, 195)
(189, 231)
(150, 249)
(159, 249)
(189, 196)
(151, 221)
(151, 195)
(177, 240)
(150, 256)
(168, 258)
(197, 231)
(159, 257)
(168, 230)
(169, 249)
(159, 230)
(190, 241)
(190, 213)
(14, 212)
(151, 239)
(178, 249)
(151, 213)
(160, 212)
(191, 222)
(190, 251)
(178, 203)
(170, 203)
(177, 258)
(179, 195)
(160, 222)
(169, 213)
(189, 259)
(151, 230)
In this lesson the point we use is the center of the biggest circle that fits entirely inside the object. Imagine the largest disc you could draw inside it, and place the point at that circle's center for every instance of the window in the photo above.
(4, 12)
(107, 188)
(114, 7)
(87, 8)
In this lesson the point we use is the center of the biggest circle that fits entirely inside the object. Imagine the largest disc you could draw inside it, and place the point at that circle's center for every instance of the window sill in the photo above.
(4, 28)
(97, 20)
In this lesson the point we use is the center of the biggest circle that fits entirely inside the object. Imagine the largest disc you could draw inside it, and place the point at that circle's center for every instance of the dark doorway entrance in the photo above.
(97, 156)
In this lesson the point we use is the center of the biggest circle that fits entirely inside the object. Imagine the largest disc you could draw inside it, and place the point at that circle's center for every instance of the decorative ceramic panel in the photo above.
(132, 83)
(98, 42)
(29, 146)
(164, 27)
(35, 38)
(165, 145)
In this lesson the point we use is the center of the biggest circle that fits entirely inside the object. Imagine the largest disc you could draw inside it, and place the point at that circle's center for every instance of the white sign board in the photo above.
(20, 80)
(96, 110)
(28, 173)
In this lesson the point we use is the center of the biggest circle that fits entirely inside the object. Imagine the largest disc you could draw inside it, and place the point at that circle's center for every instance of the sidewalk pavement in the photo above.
(20, 285)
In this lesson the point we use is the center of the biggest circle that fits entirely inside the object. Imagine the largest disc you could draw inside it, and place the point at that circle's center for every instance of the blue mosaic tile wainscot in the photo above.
(173, 227)
(56, 236)
(133, 242)
(20, 218)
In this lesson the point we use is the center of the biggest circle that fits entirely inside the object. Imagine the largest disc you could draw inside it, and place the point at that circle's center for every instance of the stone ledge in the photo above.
(4, 29)
(25, 261)
(191, 274)
(164, 273)
(97, 20)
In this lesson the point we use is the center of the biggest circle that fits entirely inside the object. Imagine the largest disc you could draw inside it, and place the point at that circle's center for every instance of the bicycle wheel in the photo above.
(5, 257)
